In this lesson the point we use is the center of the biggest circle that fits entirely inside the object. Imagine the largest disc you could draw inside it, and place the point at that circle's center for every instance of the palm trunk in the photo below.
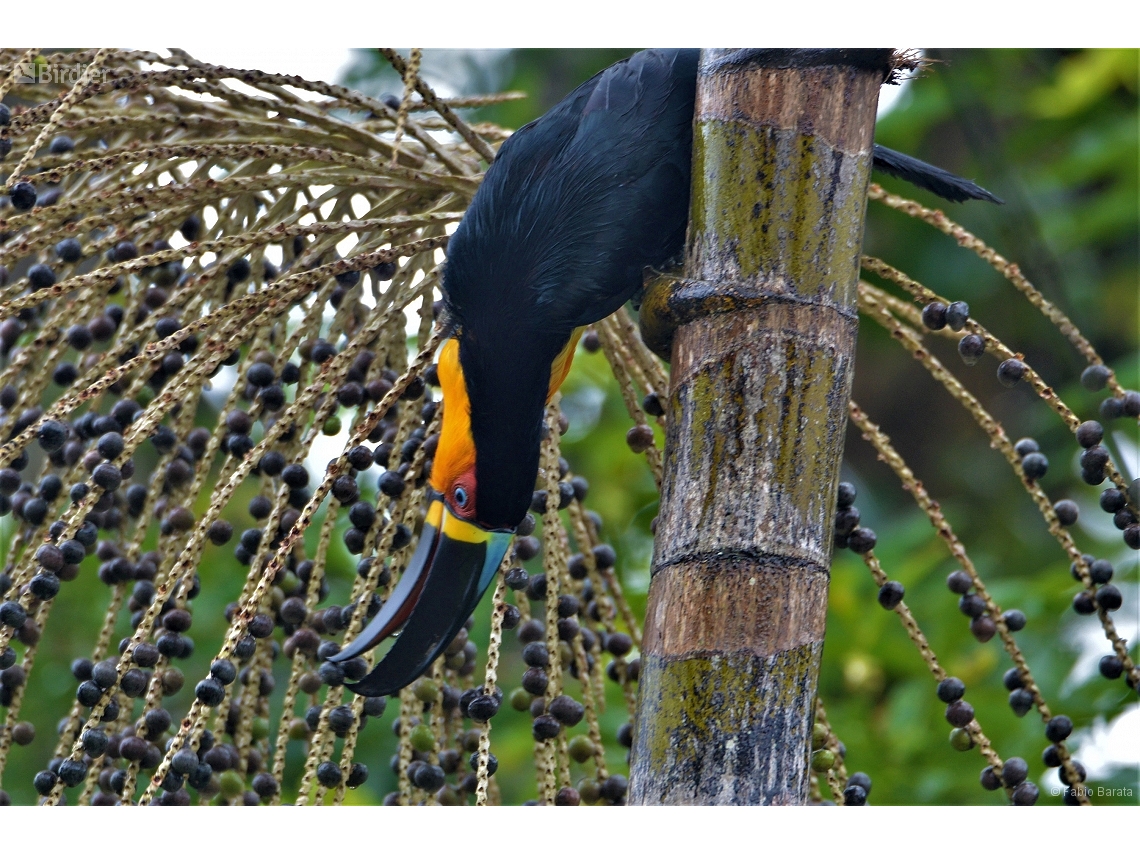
(761, 334)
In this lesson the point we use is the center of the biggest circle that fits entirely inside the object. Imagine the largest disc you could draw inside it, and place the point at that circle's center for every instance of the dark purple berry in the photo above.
(1095, 377)
(295, 475)
(1100, 571)
(1111, 408)
(989, 779)
(61, 145)
(1089, 433)
(1081, 774)
(545, 727)
(934, 315)
(107, 476)
(959, 582)
(52, 435)
(1011, 371)
(1034, 465)
(44, 782)
(482, 708)
(959, 713)
(891, 594)
(957, 313)
(1020, 701)
(951, 689)
(12, 614)
(862, 540)
(69, 250)
(1094, 458)
(44, 586)
(1066, 511)
(329, 774)
(210, 692)
(391, 484)
(1108, 597)
(238, 271)
(1014, 771)
(1058, 728)
(1014, 620)
(983, 628)
(971, 347)
(971, 605)
(23, 196)
(260, 374)
(1025, 794)
(1026, 445)
(1111, 667)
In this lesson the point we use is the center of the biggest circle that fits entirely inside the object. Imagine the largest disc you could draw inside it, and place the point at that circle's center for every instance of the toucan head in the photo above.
(455, 560)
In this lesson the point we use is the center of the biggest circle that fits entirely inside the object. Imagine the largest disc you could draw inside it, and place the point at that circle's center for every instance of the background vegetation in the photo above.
(1052, 132)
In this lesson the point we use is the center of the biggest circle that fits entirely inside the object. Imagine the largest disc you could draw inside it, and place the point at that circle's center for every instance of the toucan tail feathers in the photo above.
(921, 174)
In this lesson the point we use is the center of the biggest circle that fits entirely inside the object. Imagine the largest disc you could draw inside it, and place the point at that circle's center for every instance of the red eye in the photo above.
(461, 497)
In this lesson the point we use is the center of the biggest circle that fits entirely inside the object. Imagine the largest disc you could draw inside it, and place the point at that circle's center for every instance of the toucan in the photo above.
(575, 207)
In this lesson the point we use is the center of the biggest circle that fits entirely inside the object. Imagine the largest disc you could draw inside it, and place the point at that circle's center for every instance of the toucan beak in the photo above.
(451, 569)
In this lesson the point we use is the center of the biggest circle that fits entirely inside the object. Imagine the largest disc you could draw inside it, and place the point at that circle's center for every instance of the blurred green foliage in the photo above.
(1055, 134)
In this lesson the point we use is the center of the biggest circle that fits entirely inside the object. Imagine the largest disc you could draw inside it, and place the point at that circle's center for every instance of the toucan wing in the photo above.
(579, 202)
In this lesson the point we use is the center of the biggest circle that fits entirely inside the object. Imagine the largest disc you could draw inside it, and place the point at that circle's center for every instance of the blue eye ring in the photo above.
(460, 496)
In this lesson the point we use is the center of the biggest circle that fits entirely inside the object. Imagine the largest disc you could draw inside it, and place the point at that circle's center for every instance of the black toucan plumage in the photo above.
(921, 174)
(576, 205)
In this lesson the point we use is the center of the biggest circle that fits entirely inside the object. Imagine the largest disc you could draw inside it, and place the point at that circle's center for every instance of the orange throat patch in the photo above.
(455, 453)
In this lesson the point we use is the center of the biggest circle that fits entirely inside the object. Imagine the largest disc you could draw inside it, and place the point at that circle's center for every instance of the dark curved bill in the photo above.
(447, 576)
